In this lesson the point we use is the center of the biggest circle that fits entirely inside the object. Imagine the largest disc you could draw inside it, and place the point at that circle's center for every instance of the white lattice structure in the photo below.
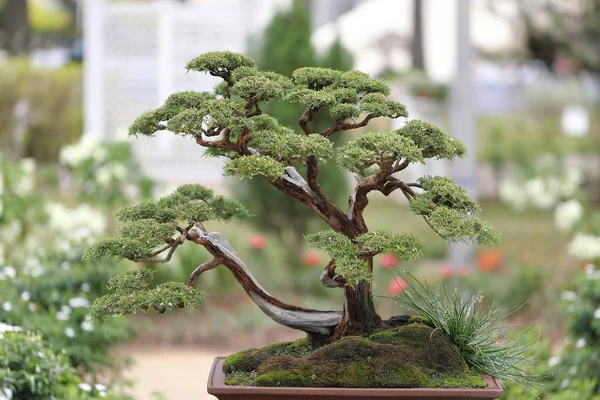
(134, 58)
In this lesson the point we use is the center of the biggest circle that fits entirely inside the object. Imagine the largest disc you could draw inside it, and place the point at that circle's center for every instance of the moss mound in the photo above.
(414, 355)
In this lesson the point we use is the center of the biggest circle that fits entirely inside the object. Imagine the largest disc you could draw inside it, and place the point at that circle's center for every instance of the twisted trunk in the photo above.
(315, 323)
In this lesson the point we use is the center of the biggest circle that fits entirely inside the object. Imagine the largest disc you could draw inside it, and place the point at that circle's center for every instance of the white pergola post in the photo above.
(462, 126)
(93, 68)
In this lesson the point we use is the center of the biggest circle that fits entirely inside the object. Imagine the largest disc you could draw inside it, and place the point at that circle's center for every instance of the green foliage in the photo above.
(219, 63)
(51, 292)
(349, 255)
(442, 191)
(432, 141)
(349, 262)
(49, 125)
(291, 148)
(250, 166)
(450, 211)
(31, 368)
(260, 87)
(150, 224)
(407, 246)
(130, 292)
(380, 148)
(476, 332)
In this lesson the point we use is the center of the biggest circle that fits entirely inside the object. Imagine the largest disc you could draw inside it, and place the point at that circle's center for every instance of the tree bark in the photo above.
(14, 21)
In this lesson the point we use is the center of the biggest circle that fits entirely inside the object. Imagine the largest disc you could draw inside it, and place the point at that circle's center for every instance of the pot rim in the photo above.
(216, 385)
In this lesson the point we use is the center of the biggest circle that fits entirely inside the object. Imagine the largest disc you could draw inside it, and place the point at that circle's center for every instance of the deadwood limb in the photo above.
(345, 126)
(313, 322)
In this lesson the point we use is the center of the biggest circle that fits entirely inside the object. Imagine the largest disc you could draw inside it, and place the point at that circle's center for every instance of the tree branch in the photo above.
(344, 126)
(313, 322)
(306, 117)
(215, 262)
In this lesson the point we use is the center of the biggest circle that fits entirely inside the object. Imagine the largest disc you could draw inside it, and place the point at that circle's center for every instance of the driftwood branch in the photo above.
(215, 262)
(313, 322)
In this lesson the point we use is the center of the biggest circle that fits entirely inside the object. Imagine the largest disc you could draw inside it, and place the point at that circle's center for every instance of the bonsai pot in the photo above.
(218, 388)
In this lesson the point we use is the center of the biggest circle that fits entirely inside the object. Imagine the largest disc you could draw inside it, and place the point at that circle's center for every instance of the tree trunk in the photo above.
(14, 21)
(417, 44)
(359, 317)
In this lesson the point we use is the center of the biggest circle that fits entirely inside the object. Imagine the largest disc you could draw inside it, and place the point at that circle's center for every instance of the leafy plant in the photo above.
(31, 368)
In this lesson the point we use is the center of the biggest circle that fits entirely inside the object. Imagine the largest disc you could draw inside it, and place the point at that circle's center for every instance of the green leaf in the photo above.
(363, 83)
(316, 78)
(116, 248)
(378, 105)
(440, 190)
(148, 232)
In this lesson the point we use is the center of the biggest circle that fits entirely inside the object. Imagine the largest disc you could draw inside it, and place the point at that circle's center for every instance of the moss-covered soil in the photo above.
(413, 355)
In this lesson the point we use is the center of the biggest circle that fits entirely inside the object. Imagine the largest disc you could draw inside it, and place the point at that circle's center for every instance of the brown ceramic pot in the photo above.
(218, 388)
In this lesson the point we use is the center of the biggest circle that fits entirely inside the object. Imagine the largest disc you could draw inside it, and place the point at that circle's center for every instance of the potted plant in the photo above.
(350, 352)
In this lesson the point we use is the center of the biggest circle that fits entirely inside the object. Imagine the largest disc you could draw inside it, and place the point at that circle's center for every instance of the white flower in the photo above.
(87, 326)
(589, 269)
(573, 370)
(567, 214)
(585, 247)
(580, 343)
(79, 302)
(9, 328)
(85, 287)
(88, 147)
(6, 306)
(86, 387)
(9, 271)
(82, 222)
(554, 361)
(24, 186)
(103, 176)
(6, 393)
(118, 171)
(70, 332)
(64, 314)
(569, 295)
(32, 307)
(571, 182)
(565, 384)
(100, 387)
(597, 313)
(25, 296)
(510, 192)
(27, 165)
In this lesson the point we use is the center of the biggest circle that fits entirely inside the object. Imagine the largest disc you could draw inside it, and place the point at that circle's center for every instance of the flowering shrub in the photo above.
(105, 174)
(32, 369)
(44, 286)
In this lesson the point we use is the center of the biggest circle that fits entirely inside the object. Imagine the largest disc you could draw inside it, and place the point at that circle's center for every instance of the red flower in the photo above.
(311, 259)
(464, 271)
(388, 260)
(397, 286)
(446, 271)
(258, 241)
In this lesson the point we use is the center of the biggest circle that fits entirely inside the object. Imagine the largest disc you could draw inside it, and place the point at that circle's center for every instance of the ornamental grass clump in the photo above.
(230, 123)
(476, 331)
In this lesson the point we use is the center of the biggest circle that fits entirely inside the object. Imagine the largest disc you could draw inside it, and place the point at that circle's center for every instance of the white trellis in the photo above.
(134, 58)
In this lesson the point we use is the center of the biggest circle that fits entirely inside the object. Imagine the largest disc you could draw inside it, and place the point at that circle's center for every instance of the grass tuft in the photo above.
(476, 331)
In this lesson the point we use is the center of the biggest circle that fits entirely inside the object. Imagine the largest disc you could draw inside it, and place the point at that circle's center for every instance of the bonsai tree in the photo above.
(230, 123)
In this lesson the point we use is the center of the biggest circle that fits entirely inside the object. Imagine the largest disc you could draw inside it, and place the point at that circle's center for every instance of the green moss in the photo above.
(417, 319)
(414, 355)
(434, 379)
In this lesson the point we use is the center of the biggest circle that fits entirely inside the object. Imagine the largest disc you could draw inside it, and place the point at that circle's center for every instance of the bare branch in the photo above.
(311, 321)
(202, 268)
(344, 126)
